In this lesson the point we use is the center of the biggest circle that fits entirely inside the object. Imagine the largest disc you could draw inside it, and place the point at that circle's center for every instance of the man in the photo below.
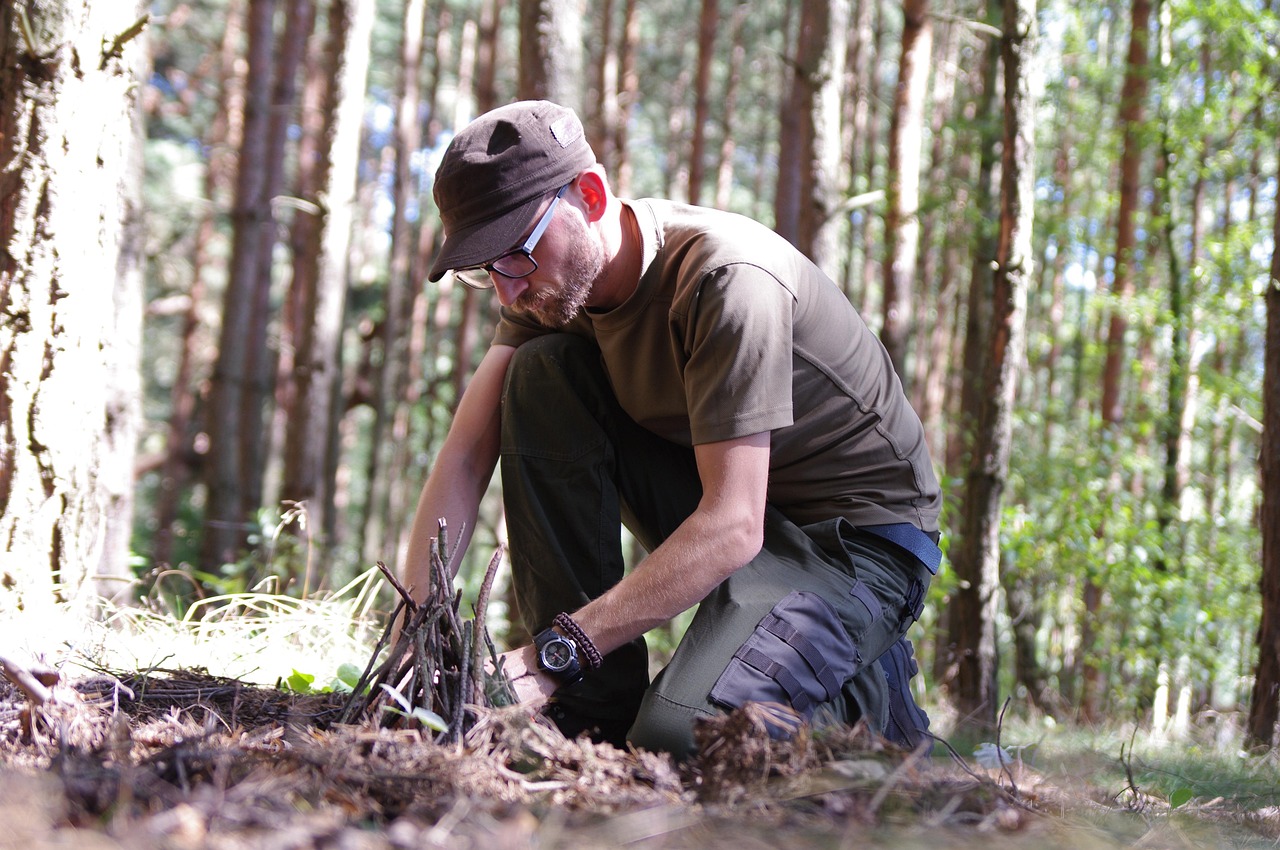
(688, 372)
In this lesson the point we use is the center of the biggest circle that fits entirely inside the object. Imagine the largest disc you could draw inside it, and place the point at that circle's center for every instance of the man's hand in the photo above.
(532, 686)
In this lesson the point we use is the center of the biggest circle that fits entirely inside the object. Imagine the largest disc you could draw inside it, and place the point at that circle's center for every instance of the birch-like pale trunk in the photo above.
(70, 298)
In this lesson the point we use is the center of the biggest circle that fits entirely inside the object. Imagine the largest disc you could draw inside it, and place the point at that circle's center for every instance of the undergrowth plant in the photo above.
(256, 636)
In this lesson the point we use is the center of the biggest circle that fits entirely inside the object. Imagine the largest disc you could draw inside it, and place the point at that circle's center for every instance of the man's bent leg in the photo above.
(571, 462)
(802, 624)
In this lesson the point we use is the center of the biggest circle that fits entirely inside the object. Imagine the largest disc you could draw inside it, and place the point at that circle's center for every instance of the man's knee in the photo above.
(663, 725)
(549, 359)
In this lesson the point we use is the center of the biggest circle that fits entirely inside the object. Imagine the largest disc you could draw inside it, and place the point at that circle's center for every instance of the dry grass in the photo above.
(202, 756)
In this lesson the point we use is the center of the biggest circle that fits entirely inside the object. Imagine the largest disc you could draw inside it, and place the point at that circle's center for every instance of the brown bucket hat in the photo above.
(496, 173)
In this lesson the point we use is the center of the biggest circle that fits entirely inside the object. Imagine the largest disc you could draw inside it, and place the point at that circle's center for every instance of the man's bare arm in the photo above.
(724, 532)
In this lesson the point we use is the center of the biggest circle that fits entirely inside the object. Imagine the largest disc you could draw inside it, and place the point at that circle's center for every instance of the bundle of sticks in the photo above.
(435, 672)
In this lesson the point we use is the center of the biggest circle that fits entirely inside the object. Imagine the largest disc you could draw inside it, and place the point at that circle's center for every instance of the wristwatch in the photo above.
(558, 656)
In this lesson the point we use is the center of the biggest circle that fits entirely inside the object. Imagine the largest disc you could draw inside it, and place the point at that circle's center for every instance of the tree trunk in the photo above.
(708, 23)
(937, 280)
(400, 291)
(962, 436)
(224, 135)
(729, 109)
(791, 106)
(902, 223)
(854, 134)
(1132, 96)
(486, 59)
(823, 24)
(319, 283)
(809, 138)
(226, 514)
(870, 251)
(1264, 707)
(69, 339)
(628, 94)
(602, 99)
(262, 354)
(976, 552)
(551, 51)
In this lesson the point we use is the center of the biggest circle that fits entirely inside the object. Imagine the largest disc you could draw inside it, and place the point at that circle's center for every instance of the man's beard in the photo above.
(557, 306)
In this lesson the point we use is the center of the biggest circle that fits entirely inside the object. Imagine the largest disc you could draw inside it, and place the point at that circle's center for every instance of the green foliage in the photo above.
(424, 716)
(344, 681)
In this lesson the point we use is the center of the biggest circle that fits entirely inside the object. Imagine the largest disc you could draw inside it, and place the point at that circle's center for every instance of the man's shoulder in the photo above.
(699, 240)
(709, 226)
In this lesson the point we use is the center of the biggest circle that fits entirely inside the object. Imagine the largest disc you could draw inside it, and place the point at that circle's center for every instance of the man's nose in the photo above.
(508, 288)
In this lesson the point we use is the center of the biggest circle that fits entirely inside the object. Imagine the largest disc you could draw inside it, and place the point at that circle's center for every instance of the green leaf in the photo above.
(300, 683)
(429, 719)
(349, 674)
(1180, 798)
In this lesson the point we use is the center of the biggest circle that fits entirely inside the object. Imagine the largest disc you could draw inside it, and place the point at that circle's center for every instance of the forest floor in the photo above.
(186, 760)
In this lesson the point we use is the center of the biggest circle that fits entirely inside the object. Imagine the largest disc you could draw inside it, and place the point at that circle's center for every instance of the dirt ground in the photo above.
(184, 760)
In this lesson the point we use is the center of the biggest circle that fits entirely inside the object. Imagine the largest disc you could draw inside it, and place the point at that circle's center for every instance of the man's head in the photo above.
(496, 176)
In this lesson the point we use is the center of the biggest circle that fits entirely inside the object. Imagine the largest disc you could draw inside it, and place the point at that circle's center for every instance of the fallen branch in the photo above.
(35, 680)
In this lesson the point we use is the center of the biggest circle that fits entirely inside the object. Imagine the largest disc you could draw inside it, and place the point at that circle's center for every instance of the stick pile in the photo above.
(435, 672)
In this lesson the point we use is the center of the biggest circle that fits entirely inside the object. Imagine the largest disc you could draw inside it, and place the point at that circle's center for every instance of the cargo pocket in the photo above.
(800, 655)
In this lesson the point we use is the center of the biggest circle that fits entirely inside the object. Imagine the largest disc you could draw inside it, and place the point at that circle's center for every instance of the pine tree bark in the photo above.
(551, 51)
(708, 23)
(226, 513)
(262, 351)
(937, 280)
(1264, 705)
(729, 109)
(854, 135)
(602, 104)
(871, 267)
(628, 93)
(823, 26)
(319, 284)
(809, 135)
(1132, 97)
(181, 459)
(976, 551)
(68, 83)
(393, 336)
(962, 436)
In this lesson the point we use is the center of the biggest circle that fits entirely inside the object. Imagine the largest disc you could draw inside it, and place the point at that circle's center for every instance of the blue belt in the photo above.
(910, 538)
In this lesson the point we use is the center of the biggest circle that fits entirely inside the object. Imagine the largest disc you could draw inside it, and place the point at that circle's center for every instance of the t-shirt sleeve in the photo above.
(514, 329)
(738, 346)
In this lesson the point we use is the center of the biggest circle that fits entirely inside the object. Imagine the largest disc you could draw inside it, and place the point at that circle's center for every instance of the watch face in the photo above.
(557, 654)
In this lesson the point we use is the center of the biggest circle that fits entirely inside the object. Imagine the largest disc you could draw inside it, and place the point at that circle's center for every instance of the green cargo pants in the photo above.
(803, 623)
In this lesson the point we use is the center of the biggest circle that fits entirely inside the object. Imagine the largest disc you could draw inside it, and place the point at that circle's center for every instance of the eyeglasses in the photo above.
(516, 263)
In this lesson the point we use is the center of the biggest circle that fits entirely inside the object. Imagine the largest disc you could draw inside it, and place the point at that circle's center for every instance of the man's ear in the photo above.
(594, 191)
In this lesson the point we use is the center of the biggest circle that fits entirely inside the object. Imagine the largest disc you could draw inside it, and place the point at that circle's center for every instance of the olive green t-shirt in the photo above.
(731, 332)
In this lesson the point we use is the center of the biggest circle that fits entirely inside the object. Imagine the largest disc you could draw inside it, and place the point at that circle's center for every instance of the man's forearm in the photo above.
(673, 578)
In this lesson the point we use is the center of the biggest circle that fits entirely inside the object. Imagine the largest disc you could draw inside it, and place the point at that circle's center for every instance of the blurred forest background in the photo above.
(220, 365)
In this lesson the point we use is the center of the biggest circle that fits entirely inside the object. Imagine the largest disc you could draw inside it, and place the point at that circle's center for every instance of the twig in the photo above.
(1128, 772)
(405, 596)
(34, 680)
(1013, 785)
(116, 48)
(481, 609)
